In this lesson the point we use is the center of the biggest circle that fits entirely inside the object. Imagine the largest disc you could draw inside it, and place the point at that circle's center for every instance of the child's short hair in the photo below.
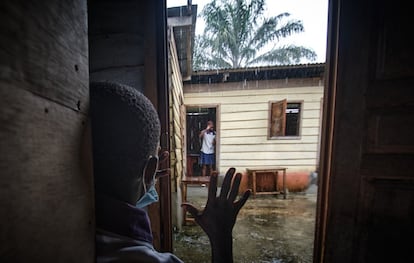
(125, 132)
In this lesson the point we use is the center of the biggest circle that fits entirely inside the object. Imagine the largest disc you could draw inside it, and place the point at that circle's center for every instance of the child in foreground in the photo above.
(125, 136)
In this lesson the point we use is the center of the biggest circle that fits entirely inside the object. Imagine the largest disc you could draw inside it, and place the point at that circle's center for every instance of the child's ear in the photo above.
(150, 169)
(162, 169)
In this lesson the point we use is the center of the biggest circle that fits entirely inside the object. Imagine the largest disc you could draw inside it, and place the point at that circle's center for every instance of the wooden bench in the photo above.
(254, 172)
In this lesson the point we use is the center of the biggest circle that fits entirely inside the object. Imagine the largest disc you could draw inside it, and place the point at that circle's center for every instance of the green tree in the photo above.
(237, 33)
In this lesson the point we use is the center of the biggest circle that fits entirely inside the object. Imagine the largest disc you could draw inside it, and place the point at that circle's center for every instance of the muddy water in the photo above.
(268, 229)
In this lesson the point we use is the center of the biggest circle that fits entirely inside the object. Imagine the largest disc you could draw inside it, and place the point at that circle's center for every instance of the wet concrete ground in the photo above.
(268, 229)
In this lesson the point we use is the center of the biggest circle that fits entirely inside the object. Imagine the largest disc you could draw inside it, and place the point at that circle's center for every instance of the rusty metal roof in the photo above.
(182, 20)
(258, 73)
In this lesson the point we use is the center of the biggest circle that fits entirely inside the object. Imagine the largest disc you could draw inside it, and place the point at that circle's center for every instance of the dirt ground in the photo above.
(268, 229)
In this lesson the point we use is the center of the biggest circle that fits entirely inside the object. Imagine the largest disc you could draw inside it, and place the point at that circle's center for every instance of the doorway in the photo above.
(244, 143)
(196, 119)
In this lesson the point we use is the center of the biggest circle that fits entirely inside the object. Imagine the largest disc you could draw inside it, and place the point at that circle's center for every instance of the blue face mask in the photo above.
(150, 196)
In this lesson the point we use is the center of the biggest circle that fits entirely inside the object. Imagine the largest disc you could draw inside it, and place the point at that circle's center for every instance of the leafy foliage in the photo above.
(237, 34)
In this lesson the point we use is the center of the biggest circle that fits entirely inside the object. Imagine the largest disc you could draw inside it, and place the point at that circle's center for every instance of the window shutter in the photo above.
(278, 118)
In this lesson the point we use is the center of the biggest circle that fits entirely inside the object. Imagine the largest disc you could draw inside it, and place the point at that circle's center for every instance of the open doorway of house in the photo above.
(269, 228)
(196, 120)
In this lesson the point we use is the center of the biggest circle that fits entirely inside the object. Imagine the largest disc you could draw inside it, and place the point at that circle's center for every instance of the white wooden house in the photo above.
(265, 117)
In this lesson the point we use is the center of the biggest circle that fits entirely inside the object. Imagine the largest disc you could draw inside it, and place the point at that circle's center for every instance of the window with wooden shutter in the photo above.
(284, 119)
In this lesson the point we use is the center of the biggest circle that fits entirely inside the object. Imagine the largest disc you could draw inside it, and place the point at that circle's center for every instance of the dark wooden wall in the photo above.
(116, 42)
(127, 45)
(46, 203)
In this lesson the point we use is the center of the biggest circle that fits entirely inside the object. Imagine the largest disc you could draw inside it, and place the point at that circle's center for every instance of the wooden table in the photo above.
(275, 170)
(191, 180)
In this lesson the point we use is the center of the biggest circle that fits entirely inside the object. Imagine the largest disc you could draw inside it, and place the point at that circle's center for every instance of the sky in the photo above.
(312, 13)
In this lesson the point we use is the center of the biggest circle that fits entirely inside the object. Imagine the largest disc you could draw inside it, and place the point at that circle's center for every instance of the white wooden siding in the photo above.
(243, 129)
(176, 119)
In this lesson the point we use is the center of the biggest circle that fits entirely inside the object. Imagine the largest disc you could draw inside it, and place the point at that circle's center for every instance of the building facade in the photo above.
(265, 117)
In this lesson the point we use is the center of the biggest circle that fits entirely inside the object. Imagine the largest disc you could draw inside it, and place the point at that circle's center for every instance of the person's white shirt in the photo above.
(208, 142)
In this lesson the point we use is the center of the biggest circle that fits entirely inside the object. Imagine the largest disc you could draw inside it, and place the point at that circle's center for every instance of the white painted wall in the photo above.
(243, 128)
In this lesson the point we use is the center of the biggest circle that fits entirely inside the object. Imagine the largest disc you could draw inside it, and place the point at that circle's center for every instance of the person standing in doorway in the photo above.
(208, 135)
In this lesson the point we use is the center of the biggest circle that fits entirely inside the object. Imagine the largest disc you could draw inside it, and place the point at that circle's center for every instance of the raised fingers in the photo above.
(240, 203)
(227, 183)
(235, 187)
(212, 188)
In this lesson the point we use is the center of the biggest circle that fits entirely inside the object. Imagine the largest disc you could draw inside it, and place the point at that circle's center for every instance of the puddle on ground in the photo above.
(269, 229)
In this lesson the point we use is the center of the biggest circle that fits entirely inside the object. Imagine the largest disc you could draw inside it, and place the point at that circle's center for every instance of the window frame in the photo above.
(282, 104)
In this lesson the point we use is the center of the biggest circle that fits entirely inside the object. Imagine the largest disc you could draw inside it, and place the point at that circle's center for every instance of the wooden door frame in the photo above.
(327, 129)
(216, 124)
(156, 89)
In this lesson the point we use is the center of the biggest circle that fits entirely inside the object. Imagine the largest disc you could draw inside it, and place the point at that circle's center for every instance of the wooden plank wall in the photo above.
(46, 200)
(126, 46)
(177, 124)
(176, 116)
(116, 42)
(244, 113)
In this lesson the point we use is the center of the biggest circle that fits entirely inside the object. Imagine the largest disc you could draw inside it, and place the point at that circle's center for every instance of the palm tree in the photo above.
(237, 33)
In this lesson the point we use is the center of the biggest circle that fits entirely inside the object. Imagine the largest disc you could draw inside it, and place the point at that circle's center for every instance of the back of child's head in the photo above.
(125, 133)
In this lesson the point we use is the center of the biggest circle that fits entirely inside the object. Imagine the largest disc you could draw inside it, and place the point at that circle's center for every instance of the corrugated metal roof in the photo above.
(258, 73)
(184, 35)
